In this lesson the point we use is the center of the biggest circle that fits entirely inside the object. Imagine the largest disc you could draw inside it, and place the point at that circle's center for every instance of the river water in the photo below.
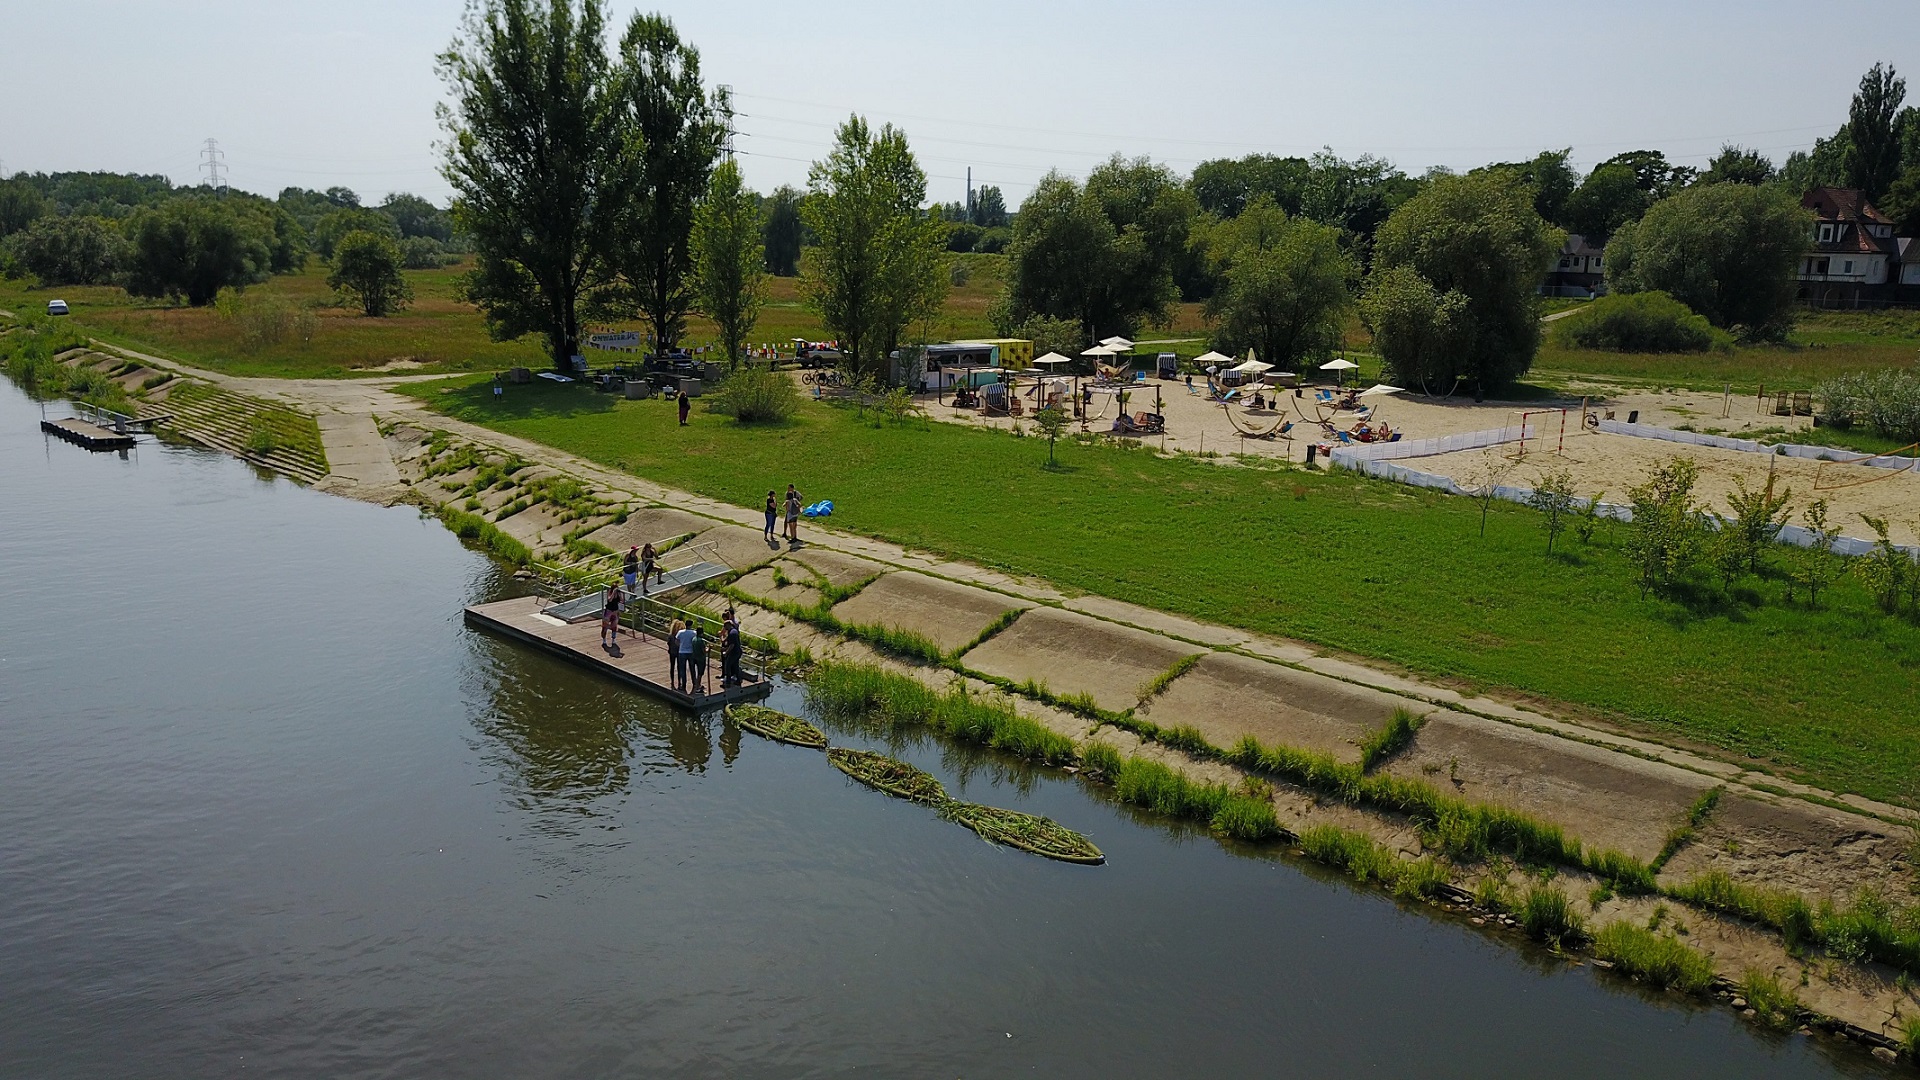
(268, 808)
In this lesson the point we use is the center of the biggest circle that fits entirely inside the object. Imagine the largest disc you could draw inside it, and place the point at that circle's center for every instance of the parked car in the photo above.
(813, 354)
(56, 307)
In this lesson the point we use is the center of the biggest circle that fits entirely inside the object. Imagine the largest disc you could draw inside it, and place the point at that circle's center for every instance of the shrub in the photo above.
(1655, 958)
(756, 395)
(1773, 1004)
(1547, 915)
(1648, 322)
(1886, 403)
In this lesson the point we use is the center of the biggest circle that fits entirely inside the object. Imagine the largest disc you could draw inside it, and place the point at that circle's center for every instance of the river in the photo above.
(268, 808)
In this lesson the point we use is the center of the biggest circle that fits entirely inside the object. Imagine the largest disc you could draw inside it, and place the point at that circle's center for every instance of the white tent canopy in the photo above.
(1101, 350)
(1339, 365)
(1380, 389)
(1117, 344)
(1252, 367)
(1051, 359)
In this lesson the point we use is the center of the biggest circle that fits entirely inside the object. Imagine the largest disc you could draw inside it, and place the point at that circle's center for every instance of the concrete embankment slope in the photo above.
(1088, 663)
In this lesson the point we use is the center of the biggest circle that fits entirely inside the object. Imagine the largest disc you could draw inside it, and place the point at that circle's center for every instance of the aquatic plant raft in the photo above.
(778, 726)
(1028, 832)
(893, 777)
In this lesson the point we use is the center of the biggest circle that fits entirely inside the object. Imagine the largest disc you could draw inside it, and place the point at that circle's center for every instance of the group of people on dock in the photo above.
(686, 641)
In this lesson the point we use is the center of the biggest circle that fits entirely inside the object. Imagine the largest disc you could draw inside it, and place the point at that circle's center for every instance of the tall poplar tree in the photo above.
(540, 163)
(728, 253)
(679, 131)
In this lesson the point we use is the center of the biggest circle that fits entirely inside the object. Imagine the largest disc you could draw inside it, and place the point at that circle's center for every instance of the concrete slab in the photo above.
(737, 547)
(1227, 696)
(649, 525)
(1074, 654)
(948, 614)
(760, 584)
(1158, 621)
(537, 526)
(1788, 844)
(355, 449)
(1605, 799)
(838, 568)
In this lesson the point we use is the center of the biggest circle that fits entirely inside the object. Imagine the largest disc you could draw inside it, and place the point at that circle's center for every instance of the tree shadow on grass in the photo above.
(539, 399)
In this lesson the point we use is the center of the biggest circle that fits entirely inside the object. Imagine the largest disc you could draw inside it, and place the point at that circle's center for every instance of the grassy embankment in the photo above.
(1366, 567)
(1822, 344)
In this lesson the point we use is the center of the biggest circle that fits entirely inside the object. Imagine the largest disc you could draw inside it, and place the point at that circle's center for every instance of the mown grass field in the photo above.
(1357, 565)
(1822, 344)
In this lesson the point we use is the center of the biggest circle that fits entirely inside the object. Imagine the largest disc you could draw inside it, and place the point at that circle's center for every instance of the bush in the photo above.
(69, 250)
(1654, 958)
(1547, 915)
(1886, 403)
(422, 253)
(1648, 322)
(756, 395)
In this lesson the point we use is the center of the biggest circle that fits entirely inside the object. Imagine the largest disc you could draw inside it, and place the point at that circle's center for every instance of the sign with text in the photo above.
(625, 339)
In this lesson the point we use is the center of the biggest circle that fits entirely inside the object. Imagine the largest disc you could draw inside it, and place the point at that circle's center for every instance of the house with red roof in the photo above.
(1855, 258)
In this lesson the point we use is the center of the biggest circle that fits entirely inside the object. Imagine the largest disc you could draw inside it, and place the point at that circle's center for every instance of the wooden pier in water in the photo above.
(82, 433)
(640, 662)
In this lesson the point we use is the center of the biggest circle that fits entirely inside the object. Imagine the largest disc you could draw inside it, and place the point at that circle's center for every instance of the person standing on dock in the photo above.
(676, 654)
(773, 511)
(793, 515)
(648, 562)
(686, 404)
(697, 662)
(610, 617)
(630, 569)
(730, 652)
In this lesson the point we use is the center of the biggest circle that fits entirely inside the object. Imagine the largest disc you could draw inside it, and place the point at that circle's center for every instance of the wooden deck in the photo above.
(640, 663)
(91, 436)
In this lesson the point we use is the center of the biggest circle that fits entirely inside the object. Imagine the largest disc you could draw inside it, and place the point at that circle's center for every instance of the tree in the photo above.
(1610, 196)
(69, 250)
(678, 132)
(539, 164)
(21, 204)
(1283, 285)
(193, 247)
(729, 283)
(989, 207)
(1417, 330)
(1050, 422)
(1552, 179)
(1902, 203)
(1553, 497)
(878, 266)
(1051, 335)
(1665, 538)
(1824, 166)
(1758, 517)
(1480, 237)
(1224, 186)
(1728, 251)
(1103, 254)
(1738, 165)
(1657, 176)
(783, 232)
(1873, 140)
(351, 219)
(366, 271)
(416, 217)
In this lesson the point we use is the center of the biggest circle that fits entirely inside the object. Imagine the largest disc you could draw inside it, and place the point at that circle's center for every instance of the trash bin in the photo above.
(638, 388)
(690, 387)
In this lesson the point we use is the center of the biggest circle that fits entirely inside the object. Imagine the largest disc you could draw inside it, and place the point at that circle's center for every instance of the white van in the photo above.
(56, 307)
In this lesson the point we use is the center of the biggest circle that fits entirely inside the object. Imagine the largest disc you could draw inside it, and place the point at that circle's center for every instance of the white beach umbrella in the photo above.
(1380, 389)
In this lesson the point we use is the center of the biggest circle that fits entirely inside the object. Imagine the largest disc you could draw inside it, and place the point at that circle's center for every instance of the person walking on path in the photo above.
(773, 511)
(793, 515)
(697, 660)
(648, 564)
(610, 616)
(686, 404)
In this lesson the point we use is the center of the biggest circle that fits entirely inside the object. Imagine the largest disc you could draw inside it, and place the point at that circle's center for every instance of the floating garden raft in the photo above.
(777, 726)
(893, 777)
(1028, 832)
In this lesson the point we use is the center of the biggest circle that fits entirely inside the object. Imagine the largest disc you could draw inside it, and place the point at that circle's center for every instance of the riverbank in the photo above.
(1087, 665)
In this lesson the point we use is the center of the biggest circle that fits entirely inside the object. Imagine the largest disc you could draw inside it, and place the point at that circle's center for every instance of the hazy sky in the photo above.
(343, 92)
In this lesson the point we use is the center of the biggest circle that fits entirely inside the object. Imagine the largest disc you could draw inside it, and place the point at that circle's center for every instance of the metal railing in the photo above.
(653, 619)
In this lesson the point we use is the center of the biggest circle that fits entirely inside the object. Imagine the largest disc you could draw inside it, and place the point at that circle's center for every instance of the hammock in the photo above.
(1225, 401)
